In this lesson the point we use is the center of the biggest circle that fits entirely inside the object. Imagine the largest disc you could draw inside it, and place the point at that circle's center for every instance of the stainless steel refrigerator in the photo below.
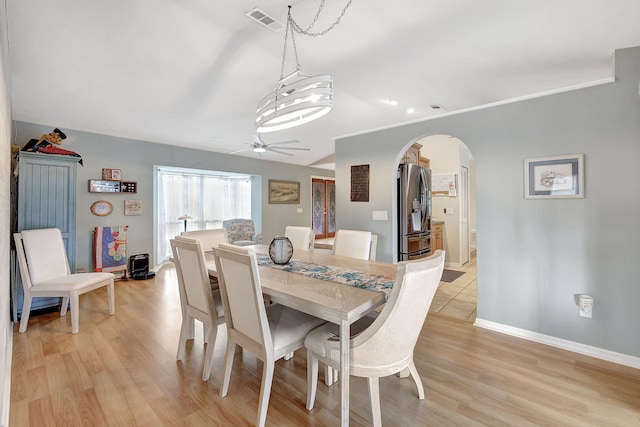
(414, 212)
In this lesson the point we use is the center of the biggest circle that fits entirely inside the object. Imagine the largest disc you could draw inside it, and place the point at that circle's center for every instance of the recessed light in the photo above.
(390, 102)
(411, 110)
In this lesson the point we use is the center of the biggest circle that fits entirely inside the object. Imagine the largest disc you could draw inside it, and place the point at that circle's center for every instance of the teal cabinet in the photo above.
(47, 199)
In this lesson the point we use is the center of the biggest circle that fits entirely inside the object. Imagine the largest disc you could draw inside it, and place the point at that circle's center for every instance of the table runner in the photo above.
(330, 273)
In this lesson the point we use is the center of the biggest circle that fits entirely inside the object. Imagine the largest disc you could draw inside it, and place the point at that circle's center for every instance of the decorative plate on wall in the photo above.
(101, 208)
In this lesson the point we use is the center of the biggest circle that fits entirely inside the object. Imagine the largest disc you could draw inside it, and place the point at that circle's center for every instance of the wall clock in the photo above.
(101, 208)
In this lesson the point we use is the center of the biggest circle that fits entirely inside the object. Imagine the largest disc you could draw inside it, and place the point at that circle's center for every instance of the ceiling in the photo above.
(185, 72)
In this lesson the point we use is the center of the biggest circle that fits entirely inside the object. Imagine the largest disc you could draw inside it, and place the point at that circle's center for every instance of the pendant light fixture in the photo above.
(297, 99)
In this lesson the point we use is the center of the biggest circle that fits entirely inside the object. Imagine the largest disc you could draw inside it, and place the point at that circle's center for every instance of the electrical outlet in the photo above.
(585, 305)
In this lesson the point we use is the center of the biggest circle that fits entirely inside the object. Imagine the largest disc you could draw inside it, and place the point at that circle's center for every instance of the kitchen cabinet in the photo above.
(46, 199)
(437, 236)
(412, 155)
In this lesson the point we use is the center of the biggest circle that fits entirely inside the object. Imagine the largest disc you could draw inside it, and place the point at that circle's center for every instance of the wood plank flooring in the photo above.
(121, 371)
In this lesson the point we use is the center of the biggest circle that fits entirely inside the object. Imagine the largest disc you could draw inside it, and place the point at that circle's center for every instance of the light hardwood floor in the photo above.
(121, 371)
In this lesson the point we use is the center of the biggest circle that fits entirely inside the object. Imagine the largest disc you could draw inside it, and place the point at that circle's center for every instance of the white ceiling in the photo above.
(184, 71)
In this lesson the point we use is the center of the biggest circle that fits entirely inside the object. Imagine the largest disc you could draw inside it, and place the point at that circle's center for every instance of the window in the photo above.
(207, 197)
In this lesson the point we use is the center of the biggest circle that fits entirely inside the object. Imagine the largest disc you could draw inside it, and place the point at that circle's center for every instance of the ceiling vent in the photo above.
(436, 107)
(264, 19)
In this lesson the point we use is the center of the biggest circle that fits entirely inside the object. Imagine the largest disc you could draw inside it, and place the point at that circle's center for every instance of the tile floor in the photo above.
(458, 298)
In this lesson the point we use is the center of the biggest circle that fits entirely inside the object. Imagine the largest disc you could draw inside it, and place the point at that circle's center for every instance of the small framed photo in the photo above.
(554, 177)
(112, 174)
(284, 191)
(133, 207)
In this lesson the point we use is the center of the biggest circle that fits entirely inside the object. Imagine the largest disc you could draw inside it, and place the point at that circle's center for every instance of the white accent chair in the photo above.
(302, 238)
(197, 300)
(269, 333)
(44, 269)
(386, 346)
(352, 244)
(209, 239)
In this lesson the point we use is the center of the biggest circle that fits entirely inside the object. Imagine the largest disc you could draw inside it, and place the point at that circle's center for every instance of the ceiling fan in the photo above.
(260, 147)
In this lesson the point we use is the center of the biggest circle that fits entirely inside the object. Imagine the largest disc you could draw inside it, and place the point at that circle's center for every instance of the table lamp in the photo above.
(184, 218)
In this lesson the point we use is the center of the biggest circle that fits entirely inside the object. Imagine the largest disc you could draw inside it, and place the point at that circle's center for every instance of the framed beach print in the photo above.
(554, 177)
(284, 191)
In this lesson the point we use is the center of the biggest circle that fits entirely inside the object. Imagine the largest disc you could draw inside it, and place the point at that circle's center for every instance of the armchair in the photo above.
(241, 232)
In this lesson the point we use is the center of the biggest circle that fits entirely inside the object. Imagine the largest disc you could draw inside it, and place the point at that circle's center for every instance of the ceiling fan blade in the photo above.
(293, 148)
(278, 151)
(293, 141)
(240, 151)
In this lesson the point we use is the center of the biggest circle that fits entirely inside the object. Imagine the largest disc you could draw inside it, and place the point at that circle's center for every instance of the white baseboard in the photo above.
(587, 350)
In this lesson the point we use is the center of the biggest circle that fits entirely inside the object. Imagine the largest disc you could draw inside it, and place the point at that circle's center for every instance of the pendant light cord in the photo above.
(294, 27)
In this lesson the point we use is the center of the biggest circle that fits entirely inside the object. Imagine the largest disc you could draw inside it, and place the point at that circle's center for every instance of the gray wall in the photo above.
(136, 160)
(534, 255)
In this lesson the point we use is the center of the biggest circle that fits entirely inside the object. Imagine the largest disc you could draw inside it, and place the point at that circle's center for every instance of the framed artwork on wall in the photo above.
(101, 208)
(133, 207)
(284, 191)
(554, 177)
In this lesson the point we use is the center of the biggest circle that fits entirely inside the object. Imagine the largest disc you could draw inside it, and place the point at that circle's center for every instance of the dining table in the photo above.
(332, 301)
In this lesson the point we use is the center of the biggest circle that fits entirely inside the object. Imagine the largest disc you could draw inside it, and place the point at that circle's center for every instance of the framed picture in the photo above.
(101, 208)
(112, 174)
(103, 186)
(360, 183)
(554, 177)
(133, 207)
(284, 191)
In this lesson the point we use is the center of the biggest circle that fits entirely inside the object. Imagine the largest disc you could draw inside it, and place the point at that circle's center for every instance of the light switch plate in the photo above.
(299, 210)
(379, 215)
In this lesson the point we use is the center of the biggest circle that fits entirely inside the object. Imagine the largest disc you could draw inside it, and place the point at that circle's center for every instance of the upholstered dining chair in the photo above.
(197, 300)
(352, 243)
(241, 232)
(302, 238)
(386, 346)
(269, 333)
(44, 269)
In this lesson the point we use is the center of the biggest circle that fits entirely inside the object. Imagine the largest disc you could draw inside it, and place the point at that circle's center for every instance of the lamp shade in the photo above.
(296, 103)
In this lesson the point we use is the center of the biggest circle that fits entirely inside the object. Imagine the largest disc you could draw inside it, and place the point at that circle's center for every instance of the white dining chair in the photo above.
(209, 239)
(44, 269)
(197, 300)
(352, 244)
(269, 333)
(386, 346)
(302, 238)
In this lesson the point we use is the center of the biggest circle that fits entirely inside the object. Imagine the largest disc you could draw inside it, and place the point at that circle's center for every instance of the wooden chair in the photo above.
(44, 269)
(302, 238)
(386, 346)
(197, 300)
(269, 333)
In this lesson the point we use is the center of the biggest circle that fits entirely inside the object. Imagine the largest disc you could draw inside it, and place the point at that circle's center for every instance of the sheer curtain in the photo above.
(207, 197)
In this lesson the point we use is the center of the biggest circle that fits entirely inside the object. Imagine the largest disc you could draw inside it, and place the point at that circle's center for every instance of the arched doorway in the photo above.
(453, 210)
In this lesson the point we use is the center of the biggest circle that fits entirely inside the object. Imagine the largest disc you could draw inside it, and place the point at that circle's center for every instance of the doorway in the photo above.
(323, 207)
(451, 161)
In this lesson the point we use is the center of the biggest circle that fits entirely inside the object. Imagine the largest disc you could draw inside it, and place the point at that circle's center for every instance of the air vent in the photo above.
(261, 17)
(436, 107)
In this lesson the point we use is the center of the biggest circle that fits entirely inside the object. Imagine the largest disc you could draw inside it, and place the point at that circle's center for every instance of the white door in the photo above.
(464, 215)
